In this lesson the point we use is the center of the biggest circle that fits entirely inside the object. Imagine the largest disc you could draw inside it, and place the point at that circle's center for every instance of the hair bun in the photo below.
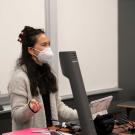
(27, 29)
(24, 33)
(20, 37)
(27, 34)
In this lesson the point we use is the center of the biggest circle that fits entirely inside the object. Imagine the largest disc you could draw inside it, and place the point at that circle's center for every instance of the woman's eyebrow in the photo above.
(48, 42)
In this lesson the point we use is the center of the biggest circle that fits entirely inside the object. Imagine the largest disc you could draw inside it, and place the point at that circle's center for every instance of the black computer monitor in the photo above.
(70, 68)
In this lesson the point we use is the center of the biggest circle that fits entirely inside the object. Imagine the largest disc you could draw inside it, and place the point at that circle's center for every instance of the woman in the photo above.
(33, 87)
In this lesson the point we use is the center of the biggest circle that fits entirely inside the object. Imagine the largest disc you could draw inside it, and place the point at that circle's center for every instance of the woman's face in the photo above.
(41, 44)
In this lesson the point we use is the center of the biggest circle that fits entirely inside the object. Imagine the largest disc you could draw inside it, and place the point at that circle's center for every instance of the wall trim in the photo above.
(94, 92)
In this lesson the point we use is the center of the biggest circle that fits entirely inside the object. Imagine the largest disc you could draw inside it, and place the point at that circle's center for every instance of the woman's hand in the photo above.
(34, 105)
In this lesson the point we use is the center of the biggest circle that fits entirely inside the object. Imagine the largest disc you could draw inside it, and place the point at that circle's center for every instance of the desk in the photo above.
(128, 105)
(122, 129)
(117, 129)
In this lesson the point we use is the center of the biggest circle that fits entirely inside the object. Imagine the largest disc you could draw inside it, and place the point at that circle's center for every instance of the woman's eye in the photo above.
(45, 44)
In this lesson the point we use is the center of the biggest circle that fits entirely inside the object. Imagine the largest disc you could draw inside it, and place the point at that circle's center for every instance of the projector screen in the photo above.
(89, 27)
(14, 15)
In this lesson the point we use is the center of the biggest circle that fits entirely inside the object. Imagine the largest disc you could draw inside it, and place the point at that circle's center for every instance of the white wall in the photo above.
(87, 26)
(90, 27)
(14, 15)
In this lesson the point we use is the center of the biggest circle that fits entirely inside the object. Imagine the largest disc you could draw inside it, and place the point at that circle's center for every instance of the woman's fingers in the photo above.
(35, 105)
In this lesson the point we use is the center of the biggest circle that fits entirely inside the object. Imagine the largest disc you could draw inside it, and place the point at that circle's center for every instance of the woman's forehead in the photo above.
(42, 38)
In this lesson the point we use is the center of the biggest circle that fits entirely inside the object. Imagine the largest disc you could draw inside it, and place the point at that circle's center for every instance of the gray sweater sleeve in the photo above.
(18, 99)
(66, 113)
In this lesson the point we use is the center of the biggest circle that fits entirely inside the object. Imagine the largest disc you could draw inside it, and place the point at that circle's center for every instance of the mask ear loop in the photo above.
(34, 55)
(36, 49)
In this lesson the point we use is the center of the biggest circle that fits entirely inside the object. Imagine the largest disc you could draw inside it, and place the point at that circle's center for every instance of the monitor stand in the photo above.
(71, 70)
(1, 108)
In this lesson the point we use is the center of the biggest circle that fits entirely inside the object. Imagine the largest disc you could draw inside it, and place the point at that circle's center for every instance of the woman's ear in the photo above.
(31, 51)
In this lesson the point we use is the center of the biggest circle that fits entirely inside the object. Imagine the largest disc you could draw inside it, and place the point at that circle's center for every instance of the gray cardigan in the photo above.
(20, 95)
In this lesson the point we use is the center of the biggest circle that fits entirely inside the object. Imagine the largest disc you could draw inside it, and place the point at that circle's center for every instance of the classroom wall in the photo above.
(126, 56)
(14, 15)
(97, 38)
(89, 27)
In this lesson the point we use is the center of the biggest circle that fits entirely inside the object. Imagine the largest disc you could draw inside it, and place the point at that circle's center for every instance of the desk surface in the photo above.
(122, 129)
(117, 130)
(127, 104)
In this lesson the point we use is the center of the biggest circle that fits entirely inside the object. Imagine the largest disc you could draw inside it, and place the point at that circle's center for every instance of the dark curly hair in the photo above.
(39, 76)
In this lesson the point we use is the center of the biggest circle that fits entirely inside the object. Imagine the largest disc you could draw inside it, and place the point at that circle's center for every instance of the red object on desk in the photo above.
(30, 131)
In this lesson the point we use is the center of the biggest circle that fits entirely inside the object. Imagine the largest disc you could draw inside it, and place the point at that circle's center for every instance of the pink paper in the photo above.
(29, 131)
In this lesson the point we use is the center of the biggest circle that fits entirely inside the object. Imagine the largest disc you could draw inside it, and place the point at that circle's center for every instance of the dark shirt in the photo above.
(46, 101)
(45, 95)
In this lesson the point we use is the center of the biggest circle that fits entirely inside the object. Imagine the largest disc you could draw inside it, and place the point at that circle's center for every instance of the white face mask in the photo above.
(45, 56)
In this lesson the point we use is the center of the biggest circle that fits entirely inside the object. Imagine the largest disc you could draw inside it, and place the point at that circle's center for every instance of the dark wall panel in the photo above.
(127, 48)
